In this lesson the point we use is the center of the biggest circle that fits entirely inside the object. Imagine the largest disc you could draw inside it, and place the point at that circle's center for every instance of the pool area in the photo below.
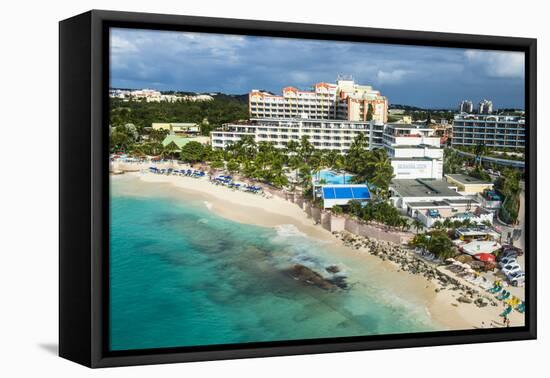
(326, 176)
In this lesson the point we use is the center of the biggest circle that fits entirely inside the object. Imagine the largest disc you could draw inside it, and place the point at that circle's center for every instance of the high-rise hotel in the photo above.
(331, 115)
(344, 100)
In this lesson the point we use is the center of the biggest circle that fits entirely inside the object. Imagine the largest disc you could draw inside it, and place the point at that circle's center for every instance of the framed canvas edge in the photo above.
(99, 19)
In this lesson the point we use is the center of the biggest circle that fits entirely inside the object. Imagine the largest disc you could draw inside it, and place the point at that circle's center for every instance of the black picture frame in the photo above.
(84, 192)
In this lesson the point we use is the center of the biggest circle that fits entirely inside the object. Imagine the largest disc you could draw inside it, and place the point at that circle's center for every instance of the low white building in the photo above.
(431, 201)
(405, 192)
(323, 134)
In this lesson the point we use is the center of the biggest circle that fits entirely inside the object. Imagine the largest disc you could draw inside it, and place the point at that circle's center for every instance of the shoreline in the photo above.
(440, 303)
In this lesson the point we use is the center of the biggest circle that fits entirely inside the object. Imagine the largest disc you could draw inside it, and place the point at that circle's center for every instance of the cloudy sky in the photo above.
(430, 77)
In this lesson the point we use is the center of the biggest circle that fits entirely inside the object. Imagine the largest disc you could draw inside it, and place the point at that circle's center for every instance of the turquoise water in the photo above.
(334, 178)
(182, 276)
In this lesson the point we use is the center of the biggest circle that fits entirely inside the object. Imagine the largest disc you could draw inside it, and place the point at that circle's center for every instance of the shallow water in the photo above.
(183, 276)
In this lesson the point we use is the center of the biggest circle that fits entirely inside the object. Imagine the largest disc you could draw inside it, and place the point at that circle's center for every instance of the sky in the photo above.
(429, 77)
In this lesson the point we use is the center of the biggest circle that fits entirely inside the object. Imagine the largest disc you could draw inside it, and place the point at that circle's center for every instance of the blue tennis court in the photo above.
(346, 192)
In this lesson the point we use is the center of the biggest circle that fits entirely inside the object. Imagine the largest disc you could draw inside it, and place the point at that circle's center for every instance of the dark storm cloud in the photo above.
(422, 76)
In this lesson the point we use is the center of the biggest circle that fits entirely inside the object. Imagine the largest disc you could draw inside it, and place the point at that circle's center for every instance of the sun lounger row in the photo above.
(513, 302)
(177, 172)
(228, 181)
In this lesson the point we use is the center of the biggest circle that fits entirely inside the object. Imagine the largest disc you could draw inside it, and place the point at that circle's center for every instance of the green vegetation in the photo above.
(437, 242)
(370, 112)
(422, 115)
(192, 152)
(496, 152)
(453, 162)
(509, 185)
(373, 166)
(337, 210)
(380, 211)
(208, 114)
(417, 225)
(479, 173)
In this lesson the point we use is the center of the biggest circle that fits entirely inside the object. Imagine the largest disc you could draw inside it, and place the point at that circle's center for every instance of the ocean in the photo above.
(182, 276)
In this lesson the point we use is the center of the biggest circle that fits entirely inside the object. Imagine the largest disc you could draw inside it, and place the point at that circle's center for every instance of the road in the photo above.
(499, 161)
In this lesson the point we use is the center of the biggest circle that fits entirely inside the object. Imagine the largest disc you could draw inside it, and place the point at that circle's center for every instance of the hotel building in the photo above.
(485, 107)
(344, 100)
(331, 116)
(323, 134)
(415, 151)
(466, 106)
(497, 131)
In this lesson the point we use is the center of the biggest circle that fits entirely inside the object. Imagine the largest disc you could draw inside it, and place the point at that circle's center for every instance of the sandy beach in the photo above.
(440, 303)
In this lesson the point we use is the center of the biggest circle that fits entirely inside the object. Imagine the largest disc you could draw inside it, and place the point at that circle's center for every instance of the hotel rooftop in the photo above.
(423, 188)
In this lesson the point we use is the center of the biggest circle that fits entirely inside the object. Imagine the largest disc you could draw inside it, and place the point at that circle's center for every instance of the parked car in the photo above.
(511, 268)
(510, 248)
(516, 274)
(508, 254)
(507, 261)
(517, 279)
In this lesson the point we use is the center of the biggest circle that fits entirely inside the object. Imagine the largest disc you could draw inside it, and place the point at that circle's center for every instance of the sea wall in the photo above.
(316, 214)
(337, 223)
(361, 228)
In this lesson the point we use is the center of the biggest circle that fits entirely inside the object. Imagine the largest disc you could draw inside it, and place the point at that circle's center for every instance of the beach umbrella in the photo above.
(485, 257)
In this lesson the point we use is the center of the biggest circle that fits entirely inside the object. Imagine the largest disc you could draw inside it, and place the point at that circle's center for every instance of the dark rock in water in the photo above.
(339, 281)
(307, 275)
(332, 269)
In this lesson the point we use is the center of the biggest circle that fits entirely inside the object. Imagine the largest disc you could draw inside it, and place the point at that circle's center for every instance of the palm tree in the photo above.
(404, 224)
(306, 149)
(170, 150)
(355, 207)
(292, 147)
(480, 150)
(233, 166)
(357, 155)
(437, 225)
(339, 165)
(440, 245)
(331, 157)
(420, 241)
(417, 225)
(379, 171)
(317, 162)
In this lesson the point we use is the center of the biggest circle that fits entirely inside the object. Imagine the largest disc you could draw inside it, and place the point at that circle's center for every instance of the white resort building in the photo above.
(415, 151)
(323, 134)
(331, 116)
(431, 201)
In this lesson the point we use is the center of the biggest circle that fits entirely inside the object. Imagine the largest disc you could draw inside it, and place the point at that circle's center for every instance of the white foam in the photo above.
(288, 230)
(208, 205)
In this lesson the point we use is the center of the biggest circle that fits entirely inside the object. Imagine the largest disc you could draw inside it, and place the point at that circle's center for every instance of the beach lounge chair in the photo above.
(505, 295)
(501, 295)
(506, 311)
(521, 307)
(486, 285)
